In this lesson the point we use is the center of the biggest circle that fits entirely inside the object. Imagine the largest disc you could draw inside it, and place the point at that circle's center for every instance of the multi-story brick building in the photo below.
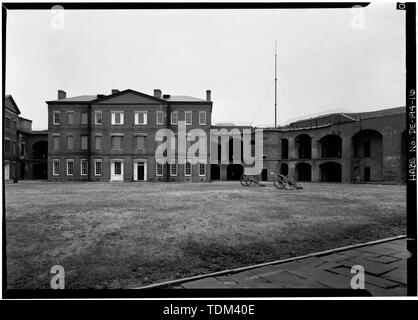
(112, 137)
(25, 150)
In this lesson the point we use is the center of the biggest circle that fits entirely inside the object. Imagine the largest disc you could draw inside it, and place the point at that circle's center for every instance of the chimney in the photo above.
(115, 91)
(208, 95)
(62, 94)
(157, 93)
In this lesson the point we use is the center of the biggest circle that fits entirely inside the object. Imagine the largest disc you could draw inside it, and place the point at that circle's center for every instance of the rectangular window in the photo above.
(202, 169)
(98, 142)
(70, 118)
(188, 117)
(84, 118)
(140, 142)
(56, 117)
(56, 167)
(98, 117)
(56, 142)
(7, 123)
(6, 145)
(117, 142)
(159, 169)
(84, 142)
(367, 149)
(141, 117)
(160, 118)
(188, 169)
(117, 117)
(118, 167)
(174, 117)
(14, 125)
(83, 167)
(202, 118)
(70, 142)
(97, 167)
(173, 169)
(22, 149)
(70, 167)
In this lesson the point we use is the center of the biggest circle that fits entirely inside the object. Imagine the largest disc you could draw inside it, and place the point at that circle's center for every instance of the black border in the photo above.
(410, 9)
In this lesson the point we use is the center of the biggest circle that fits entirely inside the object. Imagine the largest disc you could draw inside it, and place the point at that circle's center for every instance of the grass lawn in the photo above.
(124, 235)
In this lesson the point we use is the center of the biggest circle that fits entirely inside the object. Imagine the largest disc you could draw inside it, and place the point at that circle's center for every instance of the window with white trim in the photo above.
(70, 167)
(97, 117)
(174, 117)
(141, 117)
(160, 118)
(159, 170)
(173, 169)
(188, 117)
(83, 167)
(202, 118)
(202, 169)
(117, 117)
(98, 167)
(188, 169)
(55, 167)
(56, 117)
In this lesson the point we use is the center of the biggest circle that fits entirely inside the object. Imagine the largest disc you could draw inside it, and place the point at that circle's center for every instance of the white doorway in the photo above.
(140, 170)
(116, 170)
(6, 171)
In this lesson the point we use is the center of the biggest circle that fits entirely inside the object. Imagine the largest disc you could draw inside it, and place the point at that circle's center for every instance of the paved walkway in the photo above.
(384, 264)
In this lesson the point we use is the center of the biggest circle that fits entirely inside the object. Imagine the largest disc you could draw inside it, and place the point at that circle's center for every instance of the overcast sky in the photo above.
(323, 62)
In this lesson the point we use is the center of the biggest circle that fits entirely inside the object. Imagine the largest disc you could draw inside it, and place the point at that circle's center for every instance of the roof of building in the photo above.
(12, 105)
(91, 98)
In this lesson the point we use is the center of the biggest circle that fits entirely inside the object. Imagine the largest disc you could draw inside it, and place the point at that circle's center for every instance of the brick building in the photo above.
(340, 147)
(112, 137)
(25, 150)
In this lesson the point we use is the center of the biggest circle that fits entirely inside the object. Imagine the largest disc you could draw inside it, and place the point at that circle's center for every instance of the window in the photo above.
(97, 167)
(55, 167)
(117, 117)
(84, 142)
(202, 169)
(14, 125)
(56, 142)
(70, 167)
(6, 145)
(202, 118)
(188, 169)
(160, 117)
(118, 167)
(367, 149)
(188, 117)
(174, 117)
(141, 117)
(98, 142)
(70, 118)
(56, 118)
(70, 142)
(140, 142)
(98, 117)
(84, 118)
(159, 169)
(173, 169)
(83, 167)
(7, 123)
(117, 142)
(22, 149)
